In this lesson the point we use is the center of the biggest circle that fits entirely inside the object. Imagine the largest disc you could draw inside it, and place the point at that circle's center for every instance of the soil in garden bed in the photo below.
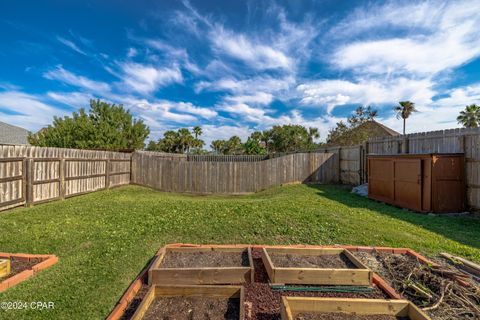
(186, 308)
(204, 259)
(431, 289)
(327, 261)
(343, 316)
(18, 265)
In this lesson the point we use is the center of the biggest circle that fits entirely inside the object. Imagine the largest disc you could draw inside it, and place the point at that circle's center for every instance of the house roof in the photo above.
(388, 130)
(12, 135)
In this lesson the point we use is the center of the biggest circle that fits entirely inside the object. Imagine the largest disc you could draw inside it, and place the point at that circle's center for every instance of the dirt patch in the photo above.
(190, 308)
(18, 265)
(263, 303)
(343, 316)
(432, 289)
(204, 259)
(335, 261)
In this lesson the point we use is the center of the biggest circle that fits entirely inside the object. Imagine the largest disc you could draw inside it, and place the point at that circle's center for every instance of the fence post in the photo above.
(24, 179)
(107, 174)
(62, 178)
(30, 176)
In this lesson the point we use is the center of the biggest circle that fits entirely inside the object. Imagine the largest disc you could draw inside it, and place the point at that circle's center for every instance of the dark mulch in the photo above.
(343, 316)
(204, 259)
(18, 265)
(190, 308)
(332, 261)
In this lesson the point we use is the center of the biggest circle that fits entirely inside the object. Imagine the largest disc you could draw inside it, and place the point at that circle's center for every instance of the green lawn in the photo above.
(104, 239)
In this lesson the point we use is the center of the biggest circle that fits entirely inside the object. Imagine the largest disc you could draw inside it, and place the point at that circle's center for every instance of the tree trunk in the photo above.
(404, 123)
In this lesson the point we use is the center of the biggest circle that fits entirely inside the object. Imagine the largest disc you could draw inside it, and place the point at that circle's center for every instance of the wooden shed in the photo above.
(421, 182)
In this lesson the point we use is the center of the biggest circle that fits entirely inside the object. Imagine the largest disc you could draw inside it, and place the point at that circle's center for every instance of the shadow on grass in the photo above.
(464, 229)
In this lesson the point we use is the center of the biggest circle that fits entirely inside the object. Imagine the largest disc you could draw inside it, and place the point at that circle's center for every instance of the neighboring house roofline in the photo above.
(13, 135)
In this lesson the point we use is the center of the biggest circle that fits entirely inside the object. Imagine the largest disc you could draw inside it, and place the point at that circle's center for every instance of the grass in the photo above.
(104, 239)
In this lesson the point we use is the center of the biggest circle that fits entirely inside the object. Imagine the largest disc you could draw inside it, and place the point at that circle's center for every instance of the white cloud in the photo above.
(257, 55)
(71, 45)
(70, 78)
(27, 111)
(267, 84)
(74, 99)
(132, 52)
(188, 107)
(447, 36)
(331, 93)
(256, 98)
(146, 78)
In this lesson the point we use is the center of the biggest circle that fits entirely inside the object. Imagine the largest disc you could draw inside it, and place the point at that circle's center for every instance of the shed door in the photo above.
(408, 183)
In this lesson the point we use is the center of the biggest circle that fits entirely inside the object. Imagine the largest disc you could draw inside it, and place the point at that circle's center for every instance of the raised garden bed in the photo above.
(295, 308)
(192, 302)
(23, 266)
(324, 266)
(262, 302)
(202, 265)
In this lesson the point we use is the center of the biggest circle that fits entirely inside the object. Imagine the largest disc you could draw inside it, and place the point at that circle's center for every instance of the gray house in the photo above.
(12, 135)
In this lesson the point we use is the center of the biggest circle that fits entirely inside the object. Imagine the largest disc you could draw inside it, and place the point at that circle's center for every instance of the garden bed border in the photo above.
(190, 290)
(360, 276)
(48, 261)
(200, 275)
(358, 306)
(136, 285)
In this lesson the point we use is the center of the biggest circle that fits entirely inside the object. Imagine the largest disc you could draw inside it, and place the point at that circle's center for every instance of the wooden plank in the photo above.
(292, 306)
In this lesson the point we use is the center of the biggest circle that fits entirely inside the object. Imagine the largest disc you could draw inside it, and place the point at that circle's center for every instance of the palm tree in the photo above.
(197, 130)
(312, 135)
(470, 117)
(404, 110)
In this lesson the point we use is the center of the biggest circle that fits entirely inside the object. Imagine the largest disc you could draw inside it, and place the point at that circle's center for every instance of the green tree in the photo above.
(218, 146)
(470, 117)
(254, 144)
(360, 126)
(105, 126)
(291, 138)
(197, 131)
(180, 141)
(404, 110)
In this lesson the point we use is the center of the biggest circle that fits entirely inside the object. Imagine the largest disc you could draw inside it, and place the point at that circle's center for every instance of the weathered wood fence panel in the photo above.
(32, 175)
(232, 177)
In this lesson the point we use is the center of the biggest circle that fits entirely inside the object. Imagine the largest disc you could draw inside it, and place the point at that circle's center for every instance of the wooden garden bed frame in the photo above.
(156, 291)
(200, 275)
(4, 267)
(292, 306)
(360, 276)
(130, 293)
(48, 260)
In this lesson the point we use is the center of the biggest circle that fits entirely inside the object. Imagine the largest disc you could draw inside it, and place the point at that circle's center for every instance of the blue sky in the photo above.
(237, 66)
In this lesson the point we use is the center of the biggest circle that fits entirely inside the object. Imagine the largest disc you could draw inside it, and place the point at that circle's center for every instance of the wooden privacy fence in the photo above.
(232, 177)
(30, 175)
